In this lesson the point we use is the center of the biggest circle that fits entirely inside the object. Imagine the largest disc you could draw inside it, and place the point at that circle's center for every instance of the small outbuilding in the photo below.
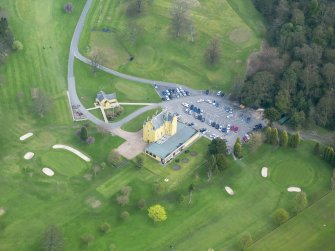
(106, 101)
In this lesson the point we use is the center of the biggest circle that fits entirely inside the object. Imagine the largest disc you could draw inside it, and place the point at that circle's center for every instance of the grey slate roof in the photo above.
(183, 134)
(102, 95)
(158, 120)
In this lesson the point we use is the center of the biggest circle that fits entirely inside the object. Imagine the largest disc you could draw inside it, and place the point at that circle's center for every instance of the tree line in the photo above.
(295, 72)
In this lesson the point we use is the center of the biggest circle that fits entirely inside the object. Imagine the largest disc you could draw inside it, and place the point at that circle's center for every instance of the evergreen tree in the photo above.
(268, 133)
(294, 140)
(238, 148)
(83, 133)
(274, 137)
(283, 140)
(316, 149)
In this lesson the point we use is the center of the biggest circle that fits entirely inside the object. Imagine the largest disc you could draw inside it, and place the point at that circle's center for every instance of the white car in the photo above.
(228, 127)
(200, 100)
(219, 93)
(229, 116)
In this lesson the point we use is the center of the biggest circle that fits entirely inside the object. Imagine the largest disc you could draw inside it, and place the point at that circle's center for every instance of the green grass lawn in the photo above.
(65, 163)
(158, 55)
(33, 201)
(126, 91)
(313, 229)
(137, 123)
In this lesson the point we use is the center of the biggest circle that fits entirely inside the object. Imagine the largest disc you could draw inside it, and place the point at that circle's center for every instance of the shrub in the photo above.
(105, 228)
(141, 204)
(301, 202)
(246, 241)
(90, 140)
(87, 239)
(281, 216)
(124, 215)
(83, 133)
(126, 190)
(17, 45)
(114, 158)
(177, 160)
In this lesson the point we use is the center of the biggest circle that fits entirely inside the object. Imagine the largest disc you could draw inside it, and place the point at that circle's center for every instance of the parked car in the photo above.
(207, 92)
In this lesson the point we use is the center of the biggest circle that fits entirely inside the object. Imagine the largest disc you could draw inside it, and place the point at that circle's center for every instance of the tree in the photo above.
(333, 180)
(87, 239)
(272, 115)
(268, 134)
(95, 168)
(246, 241)
(211, 167)
(157, 213)
(126, 190)
(281, 216)
(179, 17)
(238, 148)
(68, 7)
(221, 161)
(256, 140)
(217, 146)
(42, 103)
(124, 215)
(114, 158)
(139, 161)
(294, 140)
(301, 202)
(142, 204)
(96, 60)
(83, 133)
(316, 149)
(283, 139)
(190, 193)
(105, 228)
(52, 239)
(213, 51)
(17, 45)
(122, 200)
(90, 140)
(274, 137)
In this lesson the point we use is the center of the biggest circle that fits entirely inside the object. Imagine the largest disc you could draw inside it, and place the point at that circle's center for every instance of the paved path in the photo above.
(74, 100)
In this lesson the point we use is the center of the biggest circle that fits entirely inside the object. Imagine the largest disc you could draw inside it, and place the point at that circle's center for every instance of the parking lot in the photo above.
(216, 116)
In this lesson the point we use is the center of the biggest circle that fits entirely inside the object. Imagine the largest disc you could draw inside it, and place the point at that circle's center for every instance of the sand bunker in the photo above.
(26, 136)
(294, 189)
(47, 171)
(229, 190)
(166, 180)
(2, 211)
(239, 35)
(264, 172)
(76, 152)
(28, 155)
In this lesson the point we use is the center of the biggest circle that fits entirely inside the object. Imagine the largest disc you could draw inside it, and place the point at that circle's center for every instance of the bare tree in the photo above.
(139, 4)
(213, 51)
(180, 17)
(68, 7)
(96, 60)
(192, 31)
(190, 192)
(42, 103)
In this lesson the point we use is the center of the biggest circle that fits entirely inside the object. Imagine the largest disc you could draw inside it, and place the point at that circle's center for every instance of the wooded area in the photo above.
(295, 72)
(6, 39)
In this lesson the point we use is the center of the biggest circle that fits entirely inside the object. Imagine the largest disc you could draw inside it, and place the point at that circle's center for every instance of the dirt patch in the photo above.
(2, 211)
(185, 160)
(93, 202)
(239, 35)
(176, 167)
(193, 153)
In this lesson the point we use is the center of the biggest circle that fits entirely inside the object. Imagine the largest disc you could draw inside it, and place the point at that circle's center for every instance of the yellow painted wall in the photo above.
(151, 135)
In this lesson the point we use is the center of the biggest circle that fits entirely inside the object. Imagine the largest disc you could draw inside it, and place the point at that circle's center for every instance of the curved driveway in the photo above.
(74, 53)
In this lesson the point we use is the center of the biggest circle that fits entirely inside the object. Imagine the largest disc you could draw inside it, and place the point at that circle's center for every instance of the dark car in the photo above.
(248, 119)
(207, 92)
(190, 124)
(198, 111)
(187, 93)
(191, 107)
(217, 126)
(213, 124)
(222, 94)
(224, 130)
(203, 119)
